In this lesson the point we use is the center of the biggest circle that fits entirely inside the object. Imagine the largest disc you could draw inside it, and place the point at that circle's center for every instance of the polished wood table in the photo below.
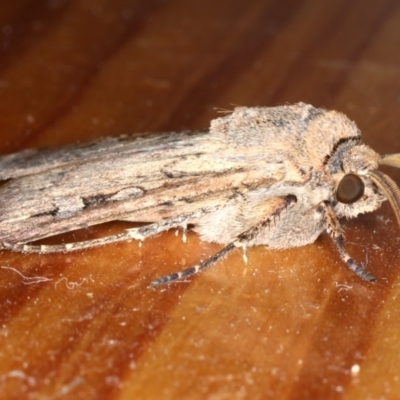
(293, 324)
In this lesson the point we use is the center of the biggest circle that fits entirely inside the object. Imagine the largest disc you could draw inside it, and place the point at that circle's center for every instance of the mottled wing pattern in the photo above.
(144, 179)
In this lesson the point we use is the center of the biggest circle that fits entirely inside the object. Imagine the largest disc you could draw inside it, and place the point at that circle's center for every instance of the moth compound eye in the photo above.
(350, 189)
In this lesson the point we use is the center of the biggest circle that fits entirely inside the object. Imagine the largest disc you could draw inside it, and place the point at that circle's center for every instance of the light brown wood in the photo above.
(292, 324)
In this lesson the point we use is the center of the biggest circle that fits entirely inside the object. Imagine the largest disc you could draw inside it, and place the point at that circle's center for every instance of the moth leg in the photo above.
(334, 229)
(241, 242)
(140, 233)
(184, 232)
(135, 233)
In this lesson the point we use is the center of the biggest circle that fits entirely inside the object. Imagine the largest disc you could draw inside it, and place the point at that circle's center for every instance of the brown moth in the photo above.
(276, 176)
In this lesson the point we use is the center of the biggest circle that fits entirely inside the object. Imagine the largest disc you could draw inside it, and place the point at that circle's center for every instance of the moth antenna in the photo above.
(391, 159)
(389, 187)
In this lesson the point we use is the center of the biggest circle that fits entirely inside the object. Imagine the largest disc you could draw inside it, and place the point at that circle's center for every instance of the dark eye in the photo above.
(350, 189)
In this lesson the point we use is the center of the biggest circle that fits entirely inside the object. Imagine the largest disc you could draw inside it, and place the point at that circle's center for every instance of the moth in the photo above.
(274, 176)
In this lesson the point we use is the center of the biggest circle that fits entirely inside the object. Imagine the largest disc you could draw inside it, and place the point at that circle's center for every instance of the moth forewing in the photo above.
(35, 161)
(276, 176)
(152, 178)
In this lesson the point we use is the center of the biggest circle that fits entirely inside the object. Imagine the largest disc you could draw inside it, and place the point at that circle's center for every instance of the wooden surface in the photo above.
(294, 324)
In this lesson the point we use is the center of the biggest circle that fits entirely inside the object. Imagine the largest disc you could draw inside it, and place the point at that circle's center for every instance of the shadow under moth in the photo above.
(277, 176)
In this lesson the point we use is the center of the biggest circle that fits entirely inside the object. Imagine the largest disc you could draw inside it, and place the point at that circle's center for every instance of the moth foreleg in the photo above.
(334, 229)
(241, 241)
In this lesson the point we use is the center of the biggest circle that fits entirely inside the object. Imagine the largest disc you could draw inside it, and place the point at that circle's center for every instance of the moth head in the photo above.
(361, 187)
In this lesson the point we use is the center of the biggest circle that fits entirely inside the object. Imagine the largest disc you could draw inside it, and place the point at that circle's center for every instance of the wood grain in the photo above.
(292, 324)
